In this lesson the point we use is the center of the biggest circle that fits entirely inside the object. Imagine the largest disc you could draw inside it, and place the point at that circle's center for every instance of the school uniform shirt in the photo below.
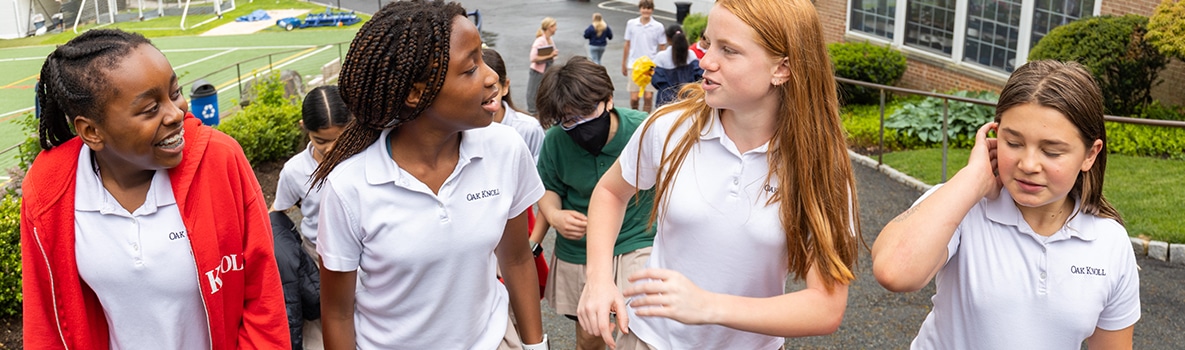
(527, 126)
(226, 224)
(644, 38)
(715, 228)
(425, 260)
(294, 186)
(572, 173)
(1006, 287)
(665, 59)
(139, 264)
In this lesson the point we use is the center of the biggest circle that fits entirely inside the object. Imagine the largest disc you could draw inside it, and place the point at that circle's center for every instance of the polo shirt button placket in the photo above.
(440, 210)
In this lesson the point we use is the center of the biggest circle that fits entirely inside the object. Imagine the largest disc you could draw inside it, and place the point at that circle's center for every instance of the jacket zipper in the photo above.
(52, 293)
(205, 307)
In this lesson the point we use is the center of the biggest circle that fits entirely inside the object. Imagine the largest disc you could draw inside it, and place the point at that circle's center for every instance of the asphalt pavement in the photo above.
(875, 318)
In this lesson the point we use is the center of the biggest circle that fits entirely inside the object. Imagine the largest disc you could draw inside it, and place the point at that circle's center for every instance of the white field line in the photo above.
(183, 50)
(22, 110)
(206, 58)
(282, 65)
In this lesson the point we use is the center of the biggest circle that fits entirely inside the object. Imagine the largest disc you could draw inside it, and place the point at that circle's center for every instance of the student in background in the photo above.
(140, 227)
(587, 135)
(323, 117)
(643, 37)
(528, 127)
(423, 198)
(540, 60)
(752, 184)
(598, 34)
(674, 67)
(1025, 251)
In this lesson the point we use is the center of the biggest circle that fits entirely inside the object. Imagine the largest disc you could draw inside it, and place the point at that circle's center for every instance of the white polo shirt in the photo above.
(293, 187)
(426, 261)
(527, 126)
(644, 38)
(1006, 287)
(139, 264)
(716, 229)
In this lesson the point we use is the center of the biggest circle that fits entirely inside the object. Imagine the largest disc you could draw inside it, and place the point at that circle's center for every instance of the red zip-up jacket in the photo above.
(224, 211)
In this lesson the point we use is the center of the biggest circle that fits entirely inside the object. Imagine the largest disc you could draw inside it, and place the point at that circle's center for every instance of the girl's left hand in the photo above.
(667, 293)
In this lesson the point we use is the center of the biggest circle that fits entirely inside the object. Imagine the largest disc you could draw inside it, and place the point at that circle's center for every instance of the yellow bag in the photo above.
(643, 70)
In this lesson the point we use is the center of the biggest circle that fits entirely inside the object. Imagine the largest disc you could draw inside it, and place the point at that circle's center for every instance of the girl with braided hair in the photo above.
(422, 198)
(140, 227)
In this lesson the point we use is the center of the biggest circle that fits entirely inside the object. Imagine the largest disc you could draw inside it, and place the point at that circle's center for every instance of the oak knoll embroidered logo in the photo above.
(1087, 270)
(483, 194)
(233, 262)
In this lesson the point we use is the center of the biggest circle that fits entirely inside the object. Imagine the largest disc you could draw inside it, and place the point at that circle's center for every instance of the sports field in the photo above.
(227, 60)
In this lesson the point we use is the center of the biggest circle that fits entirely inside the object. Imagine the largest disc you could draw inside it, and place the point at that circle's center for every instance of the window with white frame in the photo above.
(993, 27)
(1048, 14)
(984, 33)
(930, 25)
(873, 17)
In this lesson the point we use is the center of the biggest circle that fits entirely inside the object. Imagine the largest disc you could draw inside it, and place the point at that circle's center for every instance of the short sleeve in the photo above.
(640, 158)
(534, 139)
(548, 167)
(287, 190)
(952, 246)
(339, 236)
(1123, 304)
(528, 188)
(629, 30)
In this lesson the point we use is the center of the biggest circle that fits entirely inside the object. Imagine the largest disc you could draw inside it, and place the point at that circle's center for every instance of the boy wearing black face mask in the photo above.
(586, 134)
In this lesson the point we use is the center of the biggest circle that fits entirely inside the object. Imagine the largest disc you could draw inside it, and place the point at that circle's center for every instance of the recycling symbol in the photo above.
(209, 112)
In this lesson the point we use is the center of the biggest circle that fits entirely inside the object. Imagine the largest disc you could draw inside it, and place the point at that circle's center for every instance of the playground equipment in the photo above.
(320, 19)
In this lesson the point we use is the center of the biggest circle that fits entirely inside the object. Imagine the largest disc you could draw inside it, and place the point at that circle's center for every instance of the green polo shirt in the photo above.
(572, 173)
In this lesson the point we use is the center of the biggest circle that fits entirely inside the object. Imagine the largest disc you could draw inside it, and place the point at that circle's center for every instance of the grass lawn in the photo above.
(1142, 188)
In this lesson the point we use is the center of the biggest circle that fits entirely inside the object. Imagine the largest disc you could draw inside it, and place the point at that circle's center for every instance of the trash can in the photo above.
(203, 102)
(682, 9)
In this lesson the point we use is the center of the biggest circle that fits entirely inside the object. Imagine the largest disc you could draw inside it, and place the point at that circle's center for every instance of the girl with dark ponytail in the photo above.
(421, 201)
(131, 202)
(674, 67)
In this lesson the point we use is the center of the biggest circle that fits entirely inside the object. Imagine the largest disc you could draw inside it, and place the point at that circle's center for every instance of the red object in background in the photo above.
(699, 53)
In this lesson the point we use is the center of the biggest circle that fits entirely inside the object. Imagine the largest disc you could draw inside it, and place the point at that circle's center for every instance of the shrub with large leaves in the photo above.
(923, 119)
(1113, 48)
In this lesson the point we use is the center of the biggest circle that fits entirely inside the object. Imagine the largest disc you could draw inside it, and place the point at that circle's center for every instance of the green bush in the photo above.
(1166, 30)
(267, 129)
(693, 26)
(1159, 111)
(923, 119)
(1114, 49)
(1146, 140)
(862, 125)
(10, 256)
(865, 62)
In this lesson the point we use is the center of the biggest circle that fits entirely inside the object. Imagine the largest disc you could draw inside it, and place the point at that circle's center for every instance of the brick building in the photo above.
(973, 44)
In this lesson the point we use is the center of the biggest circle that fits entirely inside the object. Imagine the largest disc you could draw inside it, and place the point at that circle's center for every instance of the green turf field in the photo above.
(304, 51)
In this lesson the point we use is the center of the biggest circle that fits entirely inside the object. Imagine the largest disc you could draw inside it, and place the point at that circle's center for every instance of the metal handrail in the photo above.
(239, 75)
(946, 110)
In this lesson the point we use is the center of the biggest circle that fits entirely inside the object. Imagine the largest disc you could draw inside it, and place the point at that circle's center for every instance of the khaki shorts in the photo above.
(566, 280)
(631, 87)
